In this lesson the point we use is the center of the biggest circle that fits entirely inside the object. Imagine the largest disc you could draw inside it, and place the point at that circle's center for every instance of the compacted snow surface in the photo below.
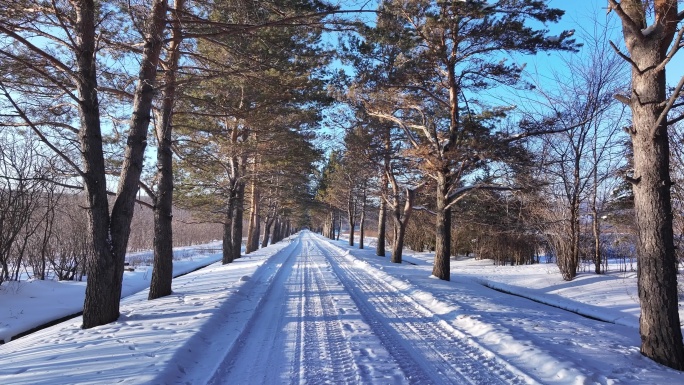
(313, 311)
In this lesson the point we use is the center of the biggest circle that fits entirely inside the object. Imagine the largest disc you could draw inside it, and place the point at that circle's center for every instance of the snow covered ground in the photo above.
(25, 305)
(308, 310)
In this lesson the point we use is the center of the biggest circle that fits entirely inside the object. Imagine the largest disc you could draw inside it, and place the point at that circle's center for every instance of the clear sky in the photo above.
(579, 15)
(582, 13)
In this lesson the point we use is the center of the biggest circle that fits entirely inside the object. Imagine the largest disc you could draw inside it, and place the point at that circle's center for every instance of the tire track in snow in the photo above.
(254, 355)
(428, 349)
(295, 335)
(327, 352)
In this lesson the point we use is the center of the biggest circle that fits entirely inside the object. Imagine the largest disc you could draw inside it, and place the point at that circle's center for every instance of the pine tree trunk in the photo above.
(661, 336)
(252, 229)
(351, 216)
(267, 230)
(596, 225)
(362, 221)
(162, 272)
(400, 222)
(238, 214)
(101, 305)
(257, 233)
(110, 233)
(382, 219)
(228, 247)
(277, 234)
(398, 245)
(331, 233)
(441, 267)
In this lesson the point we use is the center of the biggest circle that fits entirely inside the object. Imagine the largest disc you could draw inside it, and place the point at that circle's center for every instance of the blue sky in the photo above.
(580, 14)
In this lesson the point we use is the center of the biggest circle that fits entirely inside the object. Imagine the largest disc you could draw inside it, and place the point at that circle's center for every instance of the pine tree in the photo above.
(442, 56)
(650, 49)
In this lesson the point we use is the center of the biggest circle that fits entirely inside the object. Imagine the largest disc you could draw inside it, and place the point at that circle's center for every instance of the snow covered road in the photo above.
(326, 321)
(307, 330)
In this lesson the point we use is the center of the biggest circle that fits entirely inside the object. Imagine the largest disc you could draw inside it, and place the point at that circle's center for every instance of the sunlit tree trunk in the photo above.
(162, 272)
(441, 267)
(661, 336)
(110, 233)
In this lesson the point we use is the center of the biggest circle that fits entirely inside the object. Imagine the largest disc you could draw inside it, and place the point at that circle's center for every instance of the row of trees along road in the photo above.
(89, 77)
(421, 98)
(235, 89)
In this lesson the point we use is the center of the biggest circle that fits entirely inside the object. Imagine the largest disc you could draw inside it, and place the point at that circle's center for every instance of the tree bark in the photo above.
(441, 267)
(400, 222)
(257, 232)
(110, 233)
(238, 214)
(162, 272)
(267, 229)
(253, 229)
(228, 224)
(382, 215)
(661, 336)
(331, 223)
(351, 215)
(362, 220)
(277, 233)
(596, 224)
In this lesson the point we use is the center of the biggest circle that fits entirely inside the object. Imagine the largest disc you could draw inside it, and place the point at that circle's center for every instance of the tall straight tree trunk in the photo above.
(382, 214)
(232, 231)
(382, 220)
(276, 236)
(400, 222)
(257, 232)
(595, 223)
(267, 230)
(362, 220)
(661, 336)
(100, 307)
(162, 272)
(442, 264)
(398, 245)
(110, 233)
(331, 229)
(238, 214)
(228, 223)
(351, 215)
(253, 228)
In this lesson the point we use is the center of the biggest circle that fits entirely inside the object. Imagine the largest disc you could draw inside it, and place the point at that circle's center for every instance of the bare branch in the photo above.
(623, 99)
(545, 132)
(38, 51)
(148, 191)
(675, 48)
(668, 106)
(625, 57)
(627, 21)
(462, 192)
(37, 131)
